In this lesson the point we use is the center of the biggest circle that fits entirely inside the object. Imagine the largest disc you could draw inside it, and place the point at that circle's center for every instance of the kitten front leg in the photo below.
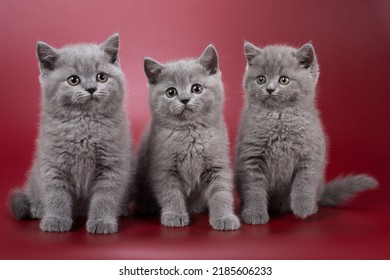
(252, 184)
(105, 206)
(220, 200)
(304, 190)
(57, 215)
(254, 203)
(172, 201)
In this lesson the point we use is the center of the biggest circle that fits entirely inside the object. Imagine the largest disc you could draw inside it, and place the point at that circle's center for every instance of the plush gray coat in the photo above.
(281, 148)
(183, 161)
(82, 163)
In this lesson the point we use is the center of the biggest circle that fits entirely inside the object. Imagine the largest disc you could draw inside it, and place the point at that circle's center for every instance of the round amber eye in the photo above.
(196, 89)
(284, 80)
(171, 92)
(73, 80)
(102, 77)
(261, 80)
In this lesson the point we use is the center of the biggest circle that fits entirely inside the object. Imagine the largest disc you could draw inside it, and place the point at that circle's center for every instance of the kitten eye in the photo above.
(196, 89)
(73, 80)
(284, 80)
(261, 80)
(171, 92)
(102, 77)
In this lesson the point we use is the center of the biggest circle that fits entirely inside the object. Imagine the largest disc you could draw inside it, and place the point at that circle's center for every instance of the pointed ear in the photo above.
(306, 55)
(209, 59)
(47, 56)
(251, 51)
(111, 47)
(152, 69)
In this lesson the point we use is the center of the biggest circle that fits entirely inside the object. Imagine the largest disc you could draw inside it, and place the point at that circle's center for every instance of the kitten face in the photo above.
(186, 89)
(280, 76)
(82, 77)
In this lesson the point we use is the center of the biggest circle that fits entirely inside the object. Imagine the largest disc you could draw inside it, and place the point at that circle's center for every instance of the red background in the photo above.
(352, 41)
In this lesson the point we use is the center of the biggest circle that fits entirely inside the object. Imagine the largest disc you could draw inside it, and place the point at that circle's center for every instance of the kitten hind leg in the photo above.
(220, 201)
(36, 210)
(199, 206)
(279, 203)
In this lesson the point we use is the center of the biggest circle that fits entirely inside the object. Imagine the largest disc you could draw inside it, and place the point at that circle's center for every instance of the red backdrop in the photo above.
(351, 38)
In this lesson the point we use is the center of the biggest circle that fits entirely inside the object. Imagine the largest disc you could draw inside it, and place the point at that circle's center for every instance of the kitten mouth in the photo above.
(186, 108)
(186, 112)
(89, 100)
(272, 96)
(93, 98)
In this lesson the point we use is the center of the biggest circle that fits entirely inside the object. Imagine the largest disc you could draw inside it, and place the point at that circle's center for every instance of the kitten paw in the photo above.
(55, 224)
(175, 220)
(102, 226)
(36, 211)
(254, 218)
(303, 209)
(230, 222)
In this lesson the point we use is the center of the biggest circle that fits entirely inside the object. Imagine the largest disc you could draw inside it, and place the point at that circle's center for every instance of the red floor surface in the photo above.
(360, 230)
(352, 42)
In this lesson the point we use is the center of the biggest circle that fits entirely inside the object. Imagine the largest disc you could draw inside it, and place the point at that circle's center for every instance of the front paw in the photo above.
(175, 220)
(254, 217)
(102, 226)
(230, 222)
(303, 208)
(55, 224)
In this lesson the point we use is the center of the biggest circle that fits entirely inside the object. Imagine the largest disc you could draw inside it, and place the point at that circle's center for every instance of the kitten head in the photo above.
(82, 77)
(185, 90)
(280, 76)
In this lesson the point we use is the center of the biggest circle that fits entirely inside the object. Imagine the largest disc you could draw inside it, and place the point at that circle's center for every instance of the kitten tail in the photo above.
(19, 204)
(341, 189)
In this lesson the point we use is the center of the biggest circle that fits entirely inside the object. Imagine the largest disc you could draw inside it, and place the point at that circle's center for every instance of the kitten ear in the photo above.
(306, 55)
(152, 69)
(111, 47)
(209, 59)
(47, 56)
(251, 51)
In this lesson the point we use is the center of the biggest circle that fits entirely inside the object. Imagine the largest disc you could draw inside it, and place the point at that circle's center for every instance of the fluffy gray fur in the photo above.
(281, 148)
(183, 159)
(82, 163)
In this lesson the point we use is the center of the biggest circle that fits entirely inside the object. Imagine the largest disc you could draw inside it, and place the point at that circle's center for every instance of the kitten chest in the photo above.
(190, 156)
(283, 143)
(77, 148)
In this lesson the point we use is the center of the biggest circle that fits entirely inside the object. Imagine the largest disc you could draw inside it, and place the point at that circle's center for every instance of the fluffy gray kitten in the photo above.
(183, 159)
(82, 163)
(281, 147)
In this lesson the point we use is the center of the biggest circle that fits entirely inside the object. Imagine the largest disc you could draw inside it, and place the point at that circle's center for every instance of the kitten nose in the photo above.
(91, 90)
(185, 101)
(270, 90)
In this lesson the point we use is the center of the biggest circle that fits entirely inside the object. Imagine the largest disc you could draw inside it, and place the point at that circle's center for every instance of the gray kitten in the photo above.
(183, 159)
(281, 148)
(82, 164)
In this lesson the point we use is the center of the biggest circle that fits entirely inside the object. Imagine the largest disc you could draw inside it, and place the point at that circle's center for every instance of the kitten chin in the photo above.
(281, 148)
(82, 165)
